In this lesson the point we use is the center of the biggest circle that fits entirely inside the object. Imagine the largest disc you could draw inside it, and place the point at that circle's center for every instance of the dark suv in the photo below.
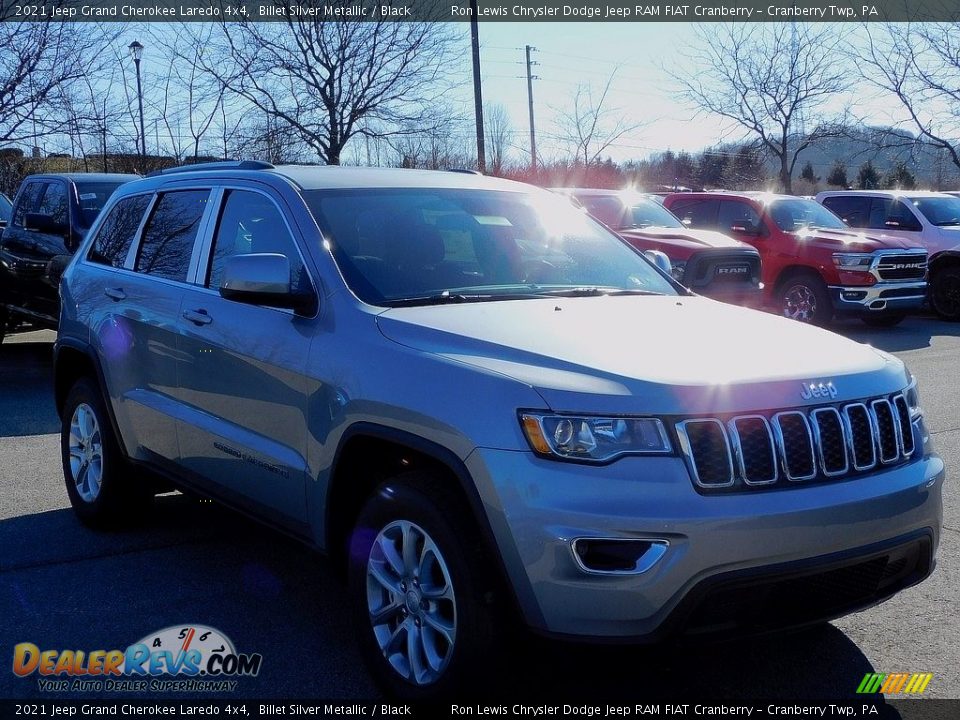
(51, 215)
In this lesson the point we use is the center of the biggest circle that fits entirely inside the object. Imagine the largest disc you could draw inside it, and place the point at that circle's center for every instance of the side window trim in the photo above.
(204, 240)
(131, 259)
(204, 266)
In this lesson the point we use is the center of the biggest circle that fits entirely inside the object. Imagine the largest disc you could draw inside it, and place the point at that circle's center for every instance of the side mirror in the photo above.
(262, 279)
(44, 224)
(659, 259)
(55, 268)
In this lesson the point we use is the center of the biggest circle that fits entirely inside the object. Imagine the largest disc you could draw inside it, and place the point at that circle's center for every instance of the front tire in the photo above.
(945, 293)
(420, 590)
(803, 297)
(98, 478)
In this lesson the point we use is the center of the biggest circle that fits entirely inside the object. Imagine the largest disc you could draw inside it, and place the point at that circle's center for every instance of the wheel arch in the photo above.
(369, 453)
(943, 259)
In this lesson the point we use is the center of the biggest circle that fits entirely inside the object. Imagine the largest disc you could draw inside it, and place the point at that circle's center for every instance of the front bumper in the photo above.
(537, 508)
(882, 298)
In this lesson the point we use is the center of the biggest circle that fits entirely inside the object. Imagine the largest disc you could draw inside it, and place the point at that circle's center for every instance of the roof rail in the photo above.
(465, 171)
(219, 165)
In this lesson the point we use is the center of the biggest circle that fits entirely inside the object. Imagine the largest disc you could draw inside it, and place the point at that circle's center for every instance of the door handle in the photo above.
(197, 317)
(115, 293)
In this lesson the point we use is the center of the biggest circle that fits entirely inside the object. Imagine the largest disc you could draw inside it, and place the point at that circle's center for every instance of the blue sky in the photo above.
(573, 53)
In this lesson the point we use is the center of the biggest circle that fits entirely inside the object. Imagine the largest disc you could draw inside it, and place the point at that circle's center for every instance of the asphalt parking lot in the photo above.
(62, 586)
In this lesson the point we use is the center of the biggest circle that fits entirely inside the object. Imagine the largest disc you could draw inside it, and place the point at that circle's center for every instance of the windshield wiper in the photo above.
(592, 292)
(945, 223)
(441, 298)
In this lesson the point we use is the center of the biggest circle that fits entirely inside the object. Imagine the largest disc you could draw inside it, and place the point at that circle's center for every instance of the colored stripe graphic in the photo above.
(894, 683)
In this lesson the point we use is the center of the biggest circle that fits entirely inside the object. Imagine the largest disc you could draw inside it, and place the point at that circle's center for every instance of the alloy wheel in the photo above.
(86, 453)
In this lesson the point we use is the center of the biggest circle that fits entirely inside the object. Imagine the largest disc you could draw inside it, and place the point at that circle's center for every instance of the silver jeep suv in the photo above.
(485, 406)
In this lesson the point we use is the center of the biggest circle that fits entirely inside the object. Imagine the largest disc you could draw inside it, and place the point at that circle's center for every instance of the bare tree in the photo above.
(192, 98)
(589, 127)
(38, 60)
(497, 130)
(919, 65)
(331, 81)
(772, 79)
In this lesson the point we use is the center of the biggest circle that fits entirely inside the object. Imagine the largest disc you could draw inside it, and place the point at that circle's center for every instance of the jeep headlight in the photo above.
(593, 439)
(912, 396)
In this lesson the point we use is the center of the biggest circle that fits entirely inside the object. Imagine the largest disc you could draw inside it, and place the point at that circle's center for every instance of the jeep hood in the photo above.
(656, 354)
(684, 238)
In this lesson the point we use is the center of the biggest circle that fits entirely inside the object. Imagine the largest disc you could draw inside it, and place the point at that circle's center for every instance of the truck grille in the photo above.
(783, 448)
(902, 267)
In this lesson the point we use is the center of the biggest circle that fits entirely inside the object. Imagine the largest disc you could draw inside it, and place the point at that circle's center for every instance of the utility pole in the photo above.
(533, 134)
(477, 94)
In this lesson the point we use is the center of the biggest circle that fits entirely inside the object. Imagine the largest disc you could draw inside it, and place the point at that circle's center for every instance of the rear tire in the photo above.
(883, 321)
(421, 590)
(99, 480)
(803, 297)
(945, 293)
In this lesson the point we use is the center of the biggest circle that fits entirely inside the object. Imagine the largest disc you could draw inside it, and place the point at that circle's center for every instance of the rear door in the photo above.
(242, 370)
(136, 330)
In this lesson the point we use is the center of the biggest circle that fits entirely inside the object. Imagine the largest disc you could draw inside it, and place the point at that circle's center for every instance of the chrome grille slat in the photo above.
(888, 441)
(758, 466)
(860, 438)
(707, 472)
(794, 464)
(829, 437)
(905, 425)
(826, 442)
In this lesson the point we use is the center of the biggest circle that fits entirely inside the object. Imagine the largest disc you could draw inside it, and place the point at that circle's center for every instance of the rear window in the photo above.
(170, 233)
(113, 240)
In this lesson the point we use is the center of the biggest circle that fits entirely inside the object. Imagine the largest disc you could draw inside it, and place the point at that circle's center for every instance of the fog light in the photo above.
(617, 556)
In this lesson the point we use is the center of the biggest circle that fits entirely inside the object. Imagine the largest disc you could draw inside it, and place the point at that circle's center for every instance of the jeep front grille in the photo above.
(781, 448)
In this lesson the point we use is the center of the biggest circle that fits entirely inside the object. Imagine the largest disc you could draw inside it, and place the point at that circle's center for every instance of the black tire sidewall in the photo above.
(824, 310)
(404, 499)
(953, 271)
(116, 497)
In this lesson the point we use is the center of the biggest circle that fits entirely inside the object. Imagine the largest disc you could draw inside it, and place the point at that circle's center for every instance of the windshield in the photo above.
(92, 197)
(624, 213)
(426, 246)
(796, 214)
(5, 208)
(942, 211)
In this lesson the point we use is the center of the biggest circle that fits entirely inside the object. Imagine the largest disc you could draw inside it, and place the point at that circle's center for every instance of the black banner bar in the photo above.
(488, 11)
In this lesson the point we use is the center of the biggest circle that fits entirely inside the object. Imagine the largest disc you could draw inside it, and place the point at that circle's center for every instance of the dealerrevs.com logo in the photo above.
(180, 658)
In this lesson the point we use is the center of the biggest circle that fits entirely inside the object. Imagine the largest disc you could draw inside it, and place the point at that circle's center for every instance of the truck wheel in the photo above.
(945, 293)
(419, 590)
(888, 320)
(804, 297)
(98, 478)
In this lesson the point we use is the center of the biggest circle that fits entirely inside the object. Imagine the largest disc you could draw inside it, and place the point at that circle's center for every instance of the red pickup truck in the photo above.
(707, 262)
(814, 266)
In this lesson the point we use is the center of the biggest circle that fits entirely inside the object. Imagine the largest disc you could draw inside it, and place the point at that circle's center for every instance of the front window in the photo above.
(798, 214)
(426, 246)
(626, 212)
(940, 211)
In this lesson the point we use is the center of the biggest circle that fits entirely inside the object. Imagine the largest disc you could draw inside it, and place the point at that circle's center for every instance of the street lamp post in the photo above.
(136, 52)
